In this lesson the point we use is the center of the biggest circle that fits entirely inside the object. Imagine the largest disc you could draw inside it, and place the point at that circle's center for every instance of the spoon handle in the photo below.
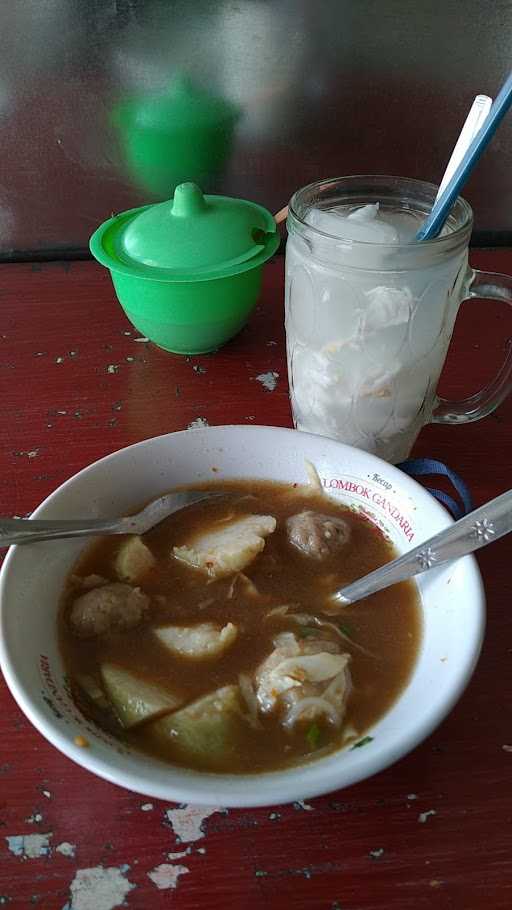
(24, 530)
(481, 527)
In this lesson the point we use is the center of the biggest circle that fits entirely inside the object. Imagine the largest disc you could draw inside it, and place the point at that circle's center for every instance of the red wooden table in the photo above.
(435, 830)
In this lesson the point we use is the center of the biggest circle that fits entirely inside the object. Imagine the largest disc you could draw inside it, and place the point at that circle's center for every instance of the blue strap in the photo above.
(418, 467)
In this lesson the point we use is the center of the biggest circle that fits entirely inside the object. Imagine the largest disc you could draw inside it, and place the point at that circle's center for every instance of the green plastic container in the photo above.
(188, 272)
(182, 134)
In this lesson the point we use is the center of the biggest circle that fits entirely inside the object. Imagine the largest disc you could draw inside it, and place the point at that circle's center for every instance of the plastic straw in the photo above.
(441, 209)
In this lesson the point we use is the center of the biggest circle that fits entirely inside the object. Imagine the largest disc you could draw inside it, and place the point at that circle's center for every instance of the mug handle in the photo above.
(490, 286)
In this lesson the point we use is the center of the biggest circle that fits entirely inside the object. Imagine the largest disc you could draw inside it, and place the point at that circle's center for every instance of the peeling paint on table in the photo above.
(32, 453)
(66, 849)
(300, 804)
(197, 423)
(377, 853)
(188, 822)
(29, 846)
(424, 816)
(35, 818)
(166, 875)
(99, 888)
(268, 380)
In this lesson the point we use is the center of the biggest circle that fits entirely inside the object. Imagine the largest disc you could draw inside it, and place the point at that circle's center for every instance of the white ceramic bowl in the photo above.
(32, 578)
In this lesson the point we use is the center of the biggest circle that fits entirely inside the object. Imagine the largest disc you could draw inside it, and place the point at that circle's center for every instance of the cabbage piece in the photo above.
(304, 679)
(330, 705)
(208, 730)
(248, 695)
(200, 642)
(308, 668)
(134, 699)
(314, 482)
(230, 549)
(297, 672)
(134, 560)
(309, 619)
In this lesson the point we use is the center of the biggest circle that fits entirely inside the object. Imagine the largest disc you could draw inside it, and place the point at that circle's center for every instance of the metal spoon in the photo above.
(26, 530)
(476, 530)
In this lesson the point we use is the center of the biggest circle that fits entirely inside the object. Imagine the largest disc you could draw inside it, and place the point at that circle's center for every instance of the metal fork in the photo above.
(26, 530)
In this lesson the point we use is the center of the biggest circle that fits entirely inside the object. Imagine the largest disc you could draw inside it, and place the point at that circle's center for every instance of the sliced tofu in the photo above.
(134, 699)
(134, 560)
(206, 640)
(208, 730)
(230, 549)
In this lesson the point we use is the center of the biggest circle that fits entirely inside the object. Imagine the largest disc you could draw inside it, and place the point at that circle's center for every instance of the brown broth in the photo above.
(388, 624)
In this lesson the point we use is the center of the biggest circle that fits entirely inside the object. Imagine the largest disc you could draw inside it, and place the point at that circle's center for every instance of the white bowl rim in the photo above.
(267, 788)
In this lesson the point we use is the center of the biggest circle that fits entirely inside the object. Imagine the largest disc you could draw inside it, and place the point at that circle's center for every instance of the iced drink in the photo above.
(369, 317)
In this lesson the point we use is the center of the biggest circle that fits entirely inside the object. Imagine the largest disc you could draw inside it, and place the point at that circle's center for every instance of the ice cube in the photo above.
(346, 355)
(364, 224)
(375, 401)
(320, 302)
(301, 300)
(406, 223)
(317, 384)
(387, 306)
(365, 212)
(385, 322)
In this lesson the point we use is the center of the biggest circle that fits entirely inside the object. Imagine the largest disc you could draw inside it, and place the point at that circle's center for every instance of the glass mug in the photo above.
(368, 324)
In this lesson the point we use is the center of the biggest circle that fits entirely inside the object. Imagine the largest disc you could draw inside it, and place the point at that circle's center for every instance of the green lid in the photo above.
(184, 107)
(181, 134)
(191, 237)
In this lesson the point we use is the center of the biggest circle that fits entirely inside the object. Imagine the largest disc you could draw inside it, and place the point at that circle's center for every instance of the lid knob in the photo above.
(188, 200)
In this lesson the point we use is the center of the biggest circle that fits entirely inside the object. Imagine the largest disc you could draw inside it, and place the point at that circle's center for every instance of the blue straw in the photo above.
(441, 209)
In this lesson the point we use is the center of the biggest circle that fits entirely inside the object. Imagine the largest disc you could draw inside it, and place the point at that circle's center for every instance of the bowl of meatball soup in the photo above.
(206, 661)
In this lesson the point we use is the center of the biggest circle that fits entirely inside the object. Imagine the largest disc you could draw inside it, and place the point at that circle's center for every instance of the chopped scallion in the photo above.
(313, 736)
(305, 632)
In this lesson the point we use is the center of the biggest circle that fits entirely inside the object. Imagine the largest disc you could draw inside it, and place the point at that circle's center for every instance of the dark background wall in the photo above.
(325, 88)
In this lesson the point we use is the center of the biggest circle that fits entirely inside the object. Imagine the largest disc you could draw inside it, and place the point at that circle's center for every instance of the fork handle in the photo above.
(24, 530)
(481, 527)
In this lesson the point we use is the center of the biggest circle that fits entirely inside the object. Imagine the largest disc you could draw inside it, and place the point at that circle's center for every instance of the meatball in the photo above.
(317, 536)
(112, 606)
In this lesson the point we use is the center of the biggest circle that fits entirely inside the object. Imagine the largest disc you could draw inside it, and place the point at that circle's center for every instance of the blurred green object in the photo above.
(187, 272)
(184, 134)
